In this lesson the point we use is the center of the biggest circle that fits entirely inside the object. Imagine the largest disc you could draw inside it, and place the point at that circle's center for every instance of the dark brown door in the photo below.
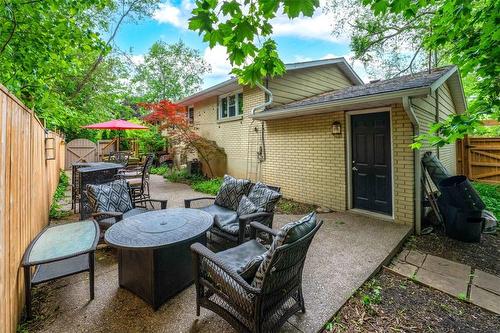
(371, 162)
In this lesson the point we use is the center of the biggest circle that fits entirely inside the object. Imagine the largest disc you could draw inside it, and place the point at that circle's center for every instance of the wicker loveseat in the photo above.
(246, 306)
(228, 224)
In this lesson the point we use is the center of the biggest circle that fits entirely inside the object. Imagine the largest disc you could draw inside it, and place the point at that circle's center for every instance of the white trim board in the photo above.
(348, 115)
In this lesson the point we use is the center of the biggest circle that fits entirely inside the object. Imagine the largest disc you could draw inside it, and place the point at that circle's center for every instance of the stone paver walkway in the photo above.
(346, 251)
(458, 280)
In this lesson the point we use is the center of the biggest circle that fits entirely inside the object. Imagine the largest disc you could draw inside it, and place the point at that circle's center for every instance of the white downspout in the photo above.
(263, 105)
(407, 106)
(253, 111)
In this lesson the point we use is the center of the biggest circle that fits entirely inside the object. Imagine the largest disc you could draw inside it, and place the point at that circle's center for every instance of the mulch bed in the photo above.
(390, 303)
(484, 255)
(287, 206)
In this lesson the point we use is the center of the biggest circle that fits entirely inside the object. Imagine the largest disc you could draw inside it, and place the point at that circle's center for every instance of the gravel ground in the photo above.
(390, 303)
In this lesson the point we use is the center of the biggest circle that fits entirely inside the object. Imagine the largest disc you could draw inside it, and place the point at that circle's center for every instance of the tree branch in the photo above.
(14, 26)
(100, 58)
(410, 64)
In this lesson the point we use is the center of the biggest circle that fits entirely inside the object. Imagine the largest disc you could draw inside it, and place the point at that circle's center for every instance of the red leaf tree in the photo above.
(182, 133)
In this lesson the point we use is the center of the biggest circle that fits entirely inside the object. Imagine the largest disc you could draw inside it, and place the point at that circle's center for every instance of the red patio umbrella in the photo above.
(117, 124)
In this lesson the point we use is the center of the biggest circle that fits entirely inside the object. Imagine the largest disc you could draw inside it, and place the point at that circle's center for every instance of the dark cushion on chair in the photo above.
(297, 230)
(231, 228)
(106, 223)
(110, 197)
(244, 258)
(231, 191)
(246, 207)
(288, 233)
(263, 197)
(224, 215)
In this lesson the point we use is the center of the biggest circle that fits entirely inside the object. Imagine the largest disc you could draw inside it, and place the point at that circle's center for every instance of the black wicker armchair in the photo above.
(238, 232)
(221, 289)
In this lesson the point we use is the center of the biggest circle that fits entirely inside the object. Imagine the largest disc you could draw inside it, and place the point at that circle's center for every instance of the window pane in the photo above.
(240, 103)
(191, 115)
(232, 106)
(223, 113)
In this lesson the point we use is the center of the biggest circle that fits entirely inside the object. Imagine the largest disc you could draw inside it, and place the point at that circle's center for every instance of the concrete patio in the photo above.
(346, 251)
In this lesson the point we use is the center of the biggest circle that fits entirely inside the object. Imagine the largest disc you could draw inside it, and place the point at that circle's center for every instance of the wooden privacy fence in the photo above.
(30, 161)
(79, 151)
(478, 158)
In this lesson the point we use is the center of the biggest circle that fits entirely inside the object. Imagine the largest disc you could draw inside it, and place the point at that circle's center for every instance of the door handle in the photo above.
(354, 168)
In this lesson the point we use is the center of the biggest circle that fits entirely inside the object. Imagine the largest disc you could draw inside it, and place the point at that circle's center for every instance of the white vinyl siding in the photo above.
(426, 109)
(300, 84)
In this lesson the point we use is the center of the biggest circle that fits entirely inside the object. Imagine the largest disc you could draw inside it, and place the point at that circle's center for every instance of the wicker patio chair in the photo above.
(106, 219)
(235, 233)
(222, 290)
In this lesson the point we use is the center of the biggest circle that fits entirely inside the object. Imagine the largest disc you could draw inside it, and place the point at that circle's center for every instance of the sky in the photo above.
(301, 39)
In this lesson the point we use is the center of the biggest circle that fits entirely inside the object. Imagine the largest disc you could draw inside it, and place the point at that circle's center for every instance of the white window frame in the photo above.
(236, 105)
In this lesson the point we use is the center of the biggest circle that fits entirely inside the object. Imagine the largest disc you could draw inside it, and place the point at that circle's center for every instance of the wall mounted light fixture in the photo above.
(50, 148)
(336, 128)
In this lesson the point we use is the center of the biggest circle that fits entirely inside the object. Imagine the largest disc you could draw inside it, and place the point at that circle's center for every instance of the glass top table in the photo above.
(59, 251)
(62, 241)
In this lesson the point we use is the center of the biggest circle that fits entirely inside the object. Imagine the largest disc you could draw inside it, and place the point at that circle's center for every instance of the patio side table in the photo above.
(59, 251)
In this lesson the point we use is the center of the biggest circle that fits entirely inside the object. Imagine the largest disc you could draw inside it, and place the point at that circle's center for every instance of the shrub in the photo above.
(491, 196)
(55, 211)
(182, 176)
(176, 176)
(210, 186)
(161, 170)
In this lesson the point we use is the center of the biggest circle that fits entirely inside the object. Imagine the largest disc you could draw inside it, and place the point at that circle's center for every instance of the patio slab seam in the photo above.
(458, 280)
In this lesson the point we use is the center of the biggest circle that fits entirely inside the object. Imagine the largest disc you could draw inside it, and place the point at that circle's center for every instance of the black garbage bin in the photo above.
(461, 207)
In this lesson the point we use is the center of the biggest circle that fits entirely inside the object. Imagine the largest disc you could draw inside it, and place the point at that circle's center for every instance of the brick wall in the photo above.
(306, 160)
(233, 135)
(404, 179)
(302, 156)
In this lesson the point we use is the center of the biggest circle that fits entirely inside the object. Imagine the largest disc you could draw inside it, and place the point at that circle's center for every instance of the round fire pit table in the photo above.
(154, 256)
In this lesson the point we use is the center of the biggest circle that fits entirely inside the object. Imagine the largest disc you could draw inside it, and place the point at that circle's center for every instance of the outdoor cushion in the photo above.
(263, 197)
(134, 181)
(224, 215)
(246, 207)
(110, 197)
(286, 234)
(106, 223)
(231, 191)
(245, 258)
(232, 228)
(297, 230)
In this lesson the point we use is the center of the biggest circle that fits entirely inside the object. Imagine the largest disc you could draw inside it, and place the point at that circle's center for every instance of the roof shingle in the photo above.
(417, 80)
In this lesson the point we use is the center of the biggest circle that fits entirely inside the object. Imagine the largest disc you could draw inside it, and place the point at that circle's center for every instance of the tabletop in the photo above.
(62, 241)
(94, 166)
(159, 228)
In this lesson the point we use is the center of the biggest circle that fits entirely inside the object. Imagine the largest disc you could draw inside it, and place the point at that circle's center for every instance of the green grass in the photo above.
(55, 208)
(491, 196)
(161, 170)
(210, 186)
(198, 183)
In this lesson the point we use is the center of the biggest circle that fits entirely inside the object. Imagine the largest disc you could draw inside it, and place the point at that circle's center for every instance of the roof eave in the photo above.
(218, 88)
(324, 107)
(222, 87)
